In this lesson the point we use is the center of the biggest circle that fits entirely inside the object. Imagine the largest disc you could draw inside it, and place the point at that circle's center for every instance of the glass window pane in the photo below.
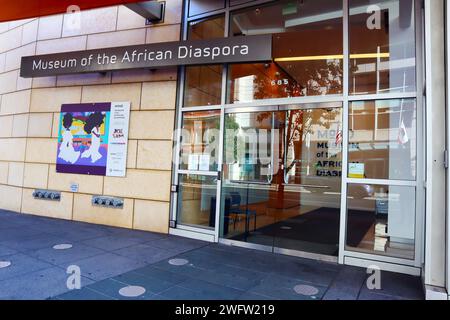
(203, 84)
(197, 201)
(381, 220)
(382, 46)
(313, 152)
(382, 139)
(210, 28)
(307, 51)
(248, 147)
(203, 6)
(200, 140)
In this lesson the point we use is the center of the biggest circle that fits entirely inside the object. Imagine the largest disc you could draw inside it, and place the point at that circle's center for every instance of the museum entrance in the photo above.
(281, 186)
(317, 153)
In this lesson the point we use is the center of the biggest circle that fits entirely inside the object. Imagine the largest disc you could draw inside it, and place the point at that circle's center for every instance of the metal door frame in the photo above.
(283, 108)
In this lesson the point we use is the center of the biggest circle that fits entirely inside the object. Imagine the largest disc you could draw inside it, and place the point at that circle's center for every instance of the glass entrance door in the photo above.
(281, 185)
(198, 182)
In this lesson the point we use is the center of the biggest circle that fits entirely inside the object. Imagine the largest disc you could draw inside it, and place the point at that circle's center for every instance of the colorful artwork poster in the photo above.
(93, 139)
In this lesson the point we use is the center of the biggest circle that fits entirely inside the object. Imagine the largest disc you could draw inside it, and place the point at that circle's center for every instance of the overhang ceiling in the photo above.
(25, 9)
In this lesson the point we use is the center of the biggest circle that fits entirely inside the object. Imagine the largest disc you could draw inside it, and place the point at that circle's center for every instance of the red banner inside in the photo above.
(24, 9)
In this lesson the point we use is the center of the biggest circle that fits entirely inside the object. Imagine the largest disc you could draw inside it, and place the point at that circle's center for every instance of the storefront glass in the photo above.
(382, 46)
(200, 141)
(307, 51)
(381, 220)
(382, 139)
(203, 84)
(285, 142)
(197, 204)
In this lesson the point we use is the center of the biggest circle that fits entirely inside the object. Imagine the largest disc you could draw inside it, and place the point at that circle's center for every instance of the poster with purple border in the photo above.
(93, 139)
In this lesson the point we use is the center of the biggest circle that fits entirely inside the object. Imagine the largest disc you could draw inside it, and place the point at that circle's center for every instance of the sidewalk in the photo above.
(125, 264)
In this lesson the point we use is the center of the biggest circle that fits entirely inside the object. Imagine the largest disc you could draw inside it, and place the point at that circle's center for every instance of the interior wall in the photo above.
(29, 118)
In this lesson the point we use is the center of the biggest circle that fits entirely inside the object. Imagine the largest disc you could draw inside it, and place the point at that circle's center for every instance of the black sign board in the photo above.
(196, 52)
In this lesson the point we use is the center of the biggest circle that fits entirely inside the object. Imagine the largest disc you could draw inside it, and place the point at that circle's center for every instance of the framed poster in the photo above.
(93, 139)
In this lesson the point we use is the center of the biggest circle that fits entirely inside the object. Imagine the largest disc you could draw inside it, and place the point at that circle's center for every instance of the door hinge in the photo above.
(446, 159)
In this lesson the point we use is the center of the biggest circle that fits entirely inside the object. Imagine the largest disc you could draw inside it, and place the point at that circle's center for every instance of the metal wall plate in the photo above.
(108, 202)
(50, 195)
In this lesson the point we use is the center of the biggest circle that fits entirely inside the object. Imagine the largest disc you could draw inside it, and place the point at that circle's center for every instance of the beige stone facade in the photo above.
(29, 119)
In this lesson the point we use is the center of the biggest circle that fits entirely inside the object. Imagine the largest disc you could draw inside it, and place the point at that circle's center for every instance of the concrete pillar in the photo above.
(435, 228)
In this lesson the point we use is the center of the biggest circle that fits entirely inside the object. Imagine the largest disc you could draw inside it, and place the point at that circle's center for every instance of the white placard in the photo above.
(74, 187)
(118, 139)
(193, 162)
(204, 162)
(356, 170)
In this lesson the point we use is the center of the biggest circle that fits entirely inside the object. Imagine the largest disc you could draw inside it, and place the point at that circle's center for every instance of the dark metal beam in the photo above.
(153, 11)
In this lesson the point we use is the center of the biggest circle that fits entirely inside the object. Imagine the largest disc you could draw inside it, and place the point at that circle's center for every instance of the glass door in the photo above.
(309, 215)
(198, 180)
(250, 171)
(282, 178)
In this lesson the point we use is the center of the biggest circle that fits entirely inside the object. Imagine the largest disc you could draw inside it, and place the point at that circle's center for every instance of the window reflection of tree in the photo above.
(309, 78)
(297, 125)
